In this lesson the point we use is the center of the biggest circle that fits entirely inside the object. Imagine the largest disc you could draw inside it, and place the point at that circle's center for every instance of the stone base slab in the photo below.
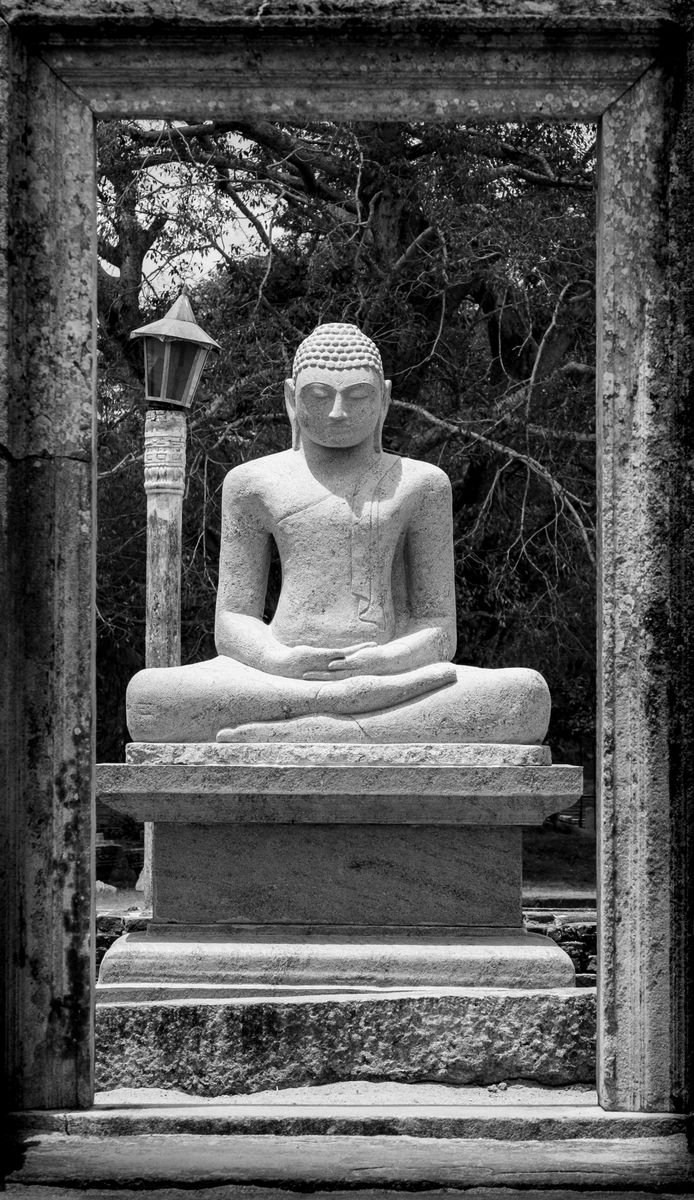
(178, 966)
(458, 1036)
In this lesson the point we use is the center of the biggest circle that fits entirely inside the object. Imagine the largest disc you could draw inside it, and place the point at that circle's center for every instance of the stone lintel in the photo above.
(478, 75)
(64, 18)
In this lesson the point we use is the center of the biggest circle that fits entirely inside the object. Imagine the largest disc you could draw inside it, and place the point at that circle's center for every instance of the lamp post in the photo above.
(175, 352)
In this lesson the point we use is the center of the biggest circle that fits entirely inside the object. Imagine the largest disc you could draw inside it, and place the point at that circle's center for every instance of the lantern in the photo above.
(175, 352)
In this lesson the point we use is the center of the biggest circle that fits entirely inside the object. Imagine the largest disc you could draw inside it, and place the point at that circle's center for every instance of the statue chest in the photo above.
(328, 530)
(337, 563)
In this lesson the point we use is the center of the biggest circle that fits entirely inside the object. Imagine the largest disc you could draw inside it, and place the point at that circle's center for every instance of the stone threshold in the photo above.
(354, 1134)
(540, 1123)
(305, 1163)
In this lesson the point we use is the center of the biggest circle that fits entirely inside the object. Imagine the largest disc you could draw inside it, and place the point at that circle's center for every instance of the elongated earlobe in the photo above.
(378, 431)
(290, 404)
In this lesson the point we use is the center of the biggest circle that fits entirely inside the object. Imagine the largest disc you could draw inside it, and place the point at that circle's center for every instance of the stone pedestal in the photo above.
(310, 875)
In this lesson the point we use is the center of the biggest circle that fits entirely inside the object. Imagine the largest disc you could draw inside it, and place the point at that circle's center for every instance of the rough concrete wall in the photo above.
(48, 368)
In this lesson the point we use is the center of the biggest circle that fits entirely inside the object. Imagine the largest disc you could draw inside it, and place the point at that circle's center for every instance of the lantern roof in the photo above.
(179, 323)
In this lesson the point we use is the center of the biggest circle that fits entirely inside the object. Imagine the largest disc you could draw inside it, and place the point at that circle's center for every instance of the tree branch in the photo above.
(246, 212)
(110, 254)
(458, 429)
(412, 249)
(151, 233)
(280, 142)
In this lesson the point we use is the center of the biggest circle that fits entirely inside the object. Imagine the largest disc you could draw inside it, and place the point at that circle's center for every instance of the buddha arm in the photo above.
(429, 569)
(424, 643)
(244, 561)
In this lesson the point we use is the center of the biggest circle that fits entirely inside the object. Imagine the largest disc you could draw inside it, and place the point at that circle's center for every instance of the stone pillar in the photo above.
(47, 374)
(645, 585)
(165, 465)
(680, 208)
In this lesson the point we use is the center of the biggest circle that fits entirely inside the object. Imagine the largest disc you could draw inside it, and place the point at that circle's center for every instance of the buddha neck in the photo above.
(340, 462)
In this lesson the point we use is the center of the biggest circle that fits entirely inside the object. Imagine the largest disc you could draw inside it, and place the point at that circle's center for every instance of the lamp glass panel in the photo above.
(155, 351)
(180, 369)
(195, 374)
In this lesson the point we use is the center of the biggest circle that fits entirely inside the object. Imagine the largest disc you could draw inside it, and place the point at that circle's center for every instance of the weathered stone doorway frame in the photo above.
(69, 61)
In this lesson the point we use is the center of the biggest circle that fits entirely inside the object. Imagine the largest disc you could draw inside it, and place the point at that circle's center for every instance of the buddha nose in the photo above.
(338, 411)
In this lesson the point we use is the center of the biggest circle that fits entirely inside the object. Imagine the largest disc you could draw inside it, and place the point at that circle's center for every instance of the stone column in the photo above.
(680, 209)
(165, 465)
(47, 464)
(645, 426)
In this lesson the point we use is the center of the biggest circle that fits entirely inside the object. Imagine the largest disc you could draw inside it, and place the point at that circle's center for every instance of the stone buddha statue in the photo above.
(360, 645)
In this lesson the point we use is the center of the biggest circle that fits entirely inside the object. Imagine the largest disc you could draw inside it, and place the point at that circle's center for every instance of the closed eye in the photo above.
(316, 392)
(359, 393)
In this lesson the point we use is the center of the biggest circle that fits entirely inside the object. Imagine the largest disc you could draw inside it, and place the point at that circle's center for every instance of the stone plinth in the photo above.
(358, 899)
(335, 865)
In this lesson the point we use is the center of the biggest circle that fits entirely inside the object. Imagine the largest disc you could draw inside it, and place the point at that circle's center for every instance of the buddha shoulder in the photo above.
(257, 478)
(253, 494)
(423, 478)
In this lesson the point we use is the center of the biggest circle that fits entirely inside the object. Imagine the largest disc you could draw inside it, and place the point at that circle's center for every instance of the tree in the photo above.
(467, 253)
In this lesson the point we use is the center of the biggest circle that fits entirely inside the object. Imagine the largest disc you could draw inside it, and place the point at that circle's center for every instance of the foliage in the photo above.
(466, 252)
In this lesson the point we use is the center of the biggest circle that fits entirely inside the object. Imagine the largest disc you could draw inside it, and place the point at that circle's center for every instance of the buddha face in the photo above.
(336, 407)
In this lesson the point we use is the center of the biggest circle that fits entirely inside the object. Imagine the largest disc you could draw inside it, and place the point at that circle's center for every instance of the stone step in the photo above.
(498, 1122)
(334, 1161)
(242, 1191)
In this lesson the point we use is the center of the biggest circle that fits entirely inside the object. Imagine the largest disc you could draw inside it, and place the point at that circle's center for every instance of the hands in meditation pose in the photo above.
(359, 647)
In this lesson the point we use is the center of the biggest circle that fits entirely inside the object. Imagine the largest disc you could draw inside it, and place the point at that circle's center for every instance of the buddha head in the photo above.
(337, 396)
